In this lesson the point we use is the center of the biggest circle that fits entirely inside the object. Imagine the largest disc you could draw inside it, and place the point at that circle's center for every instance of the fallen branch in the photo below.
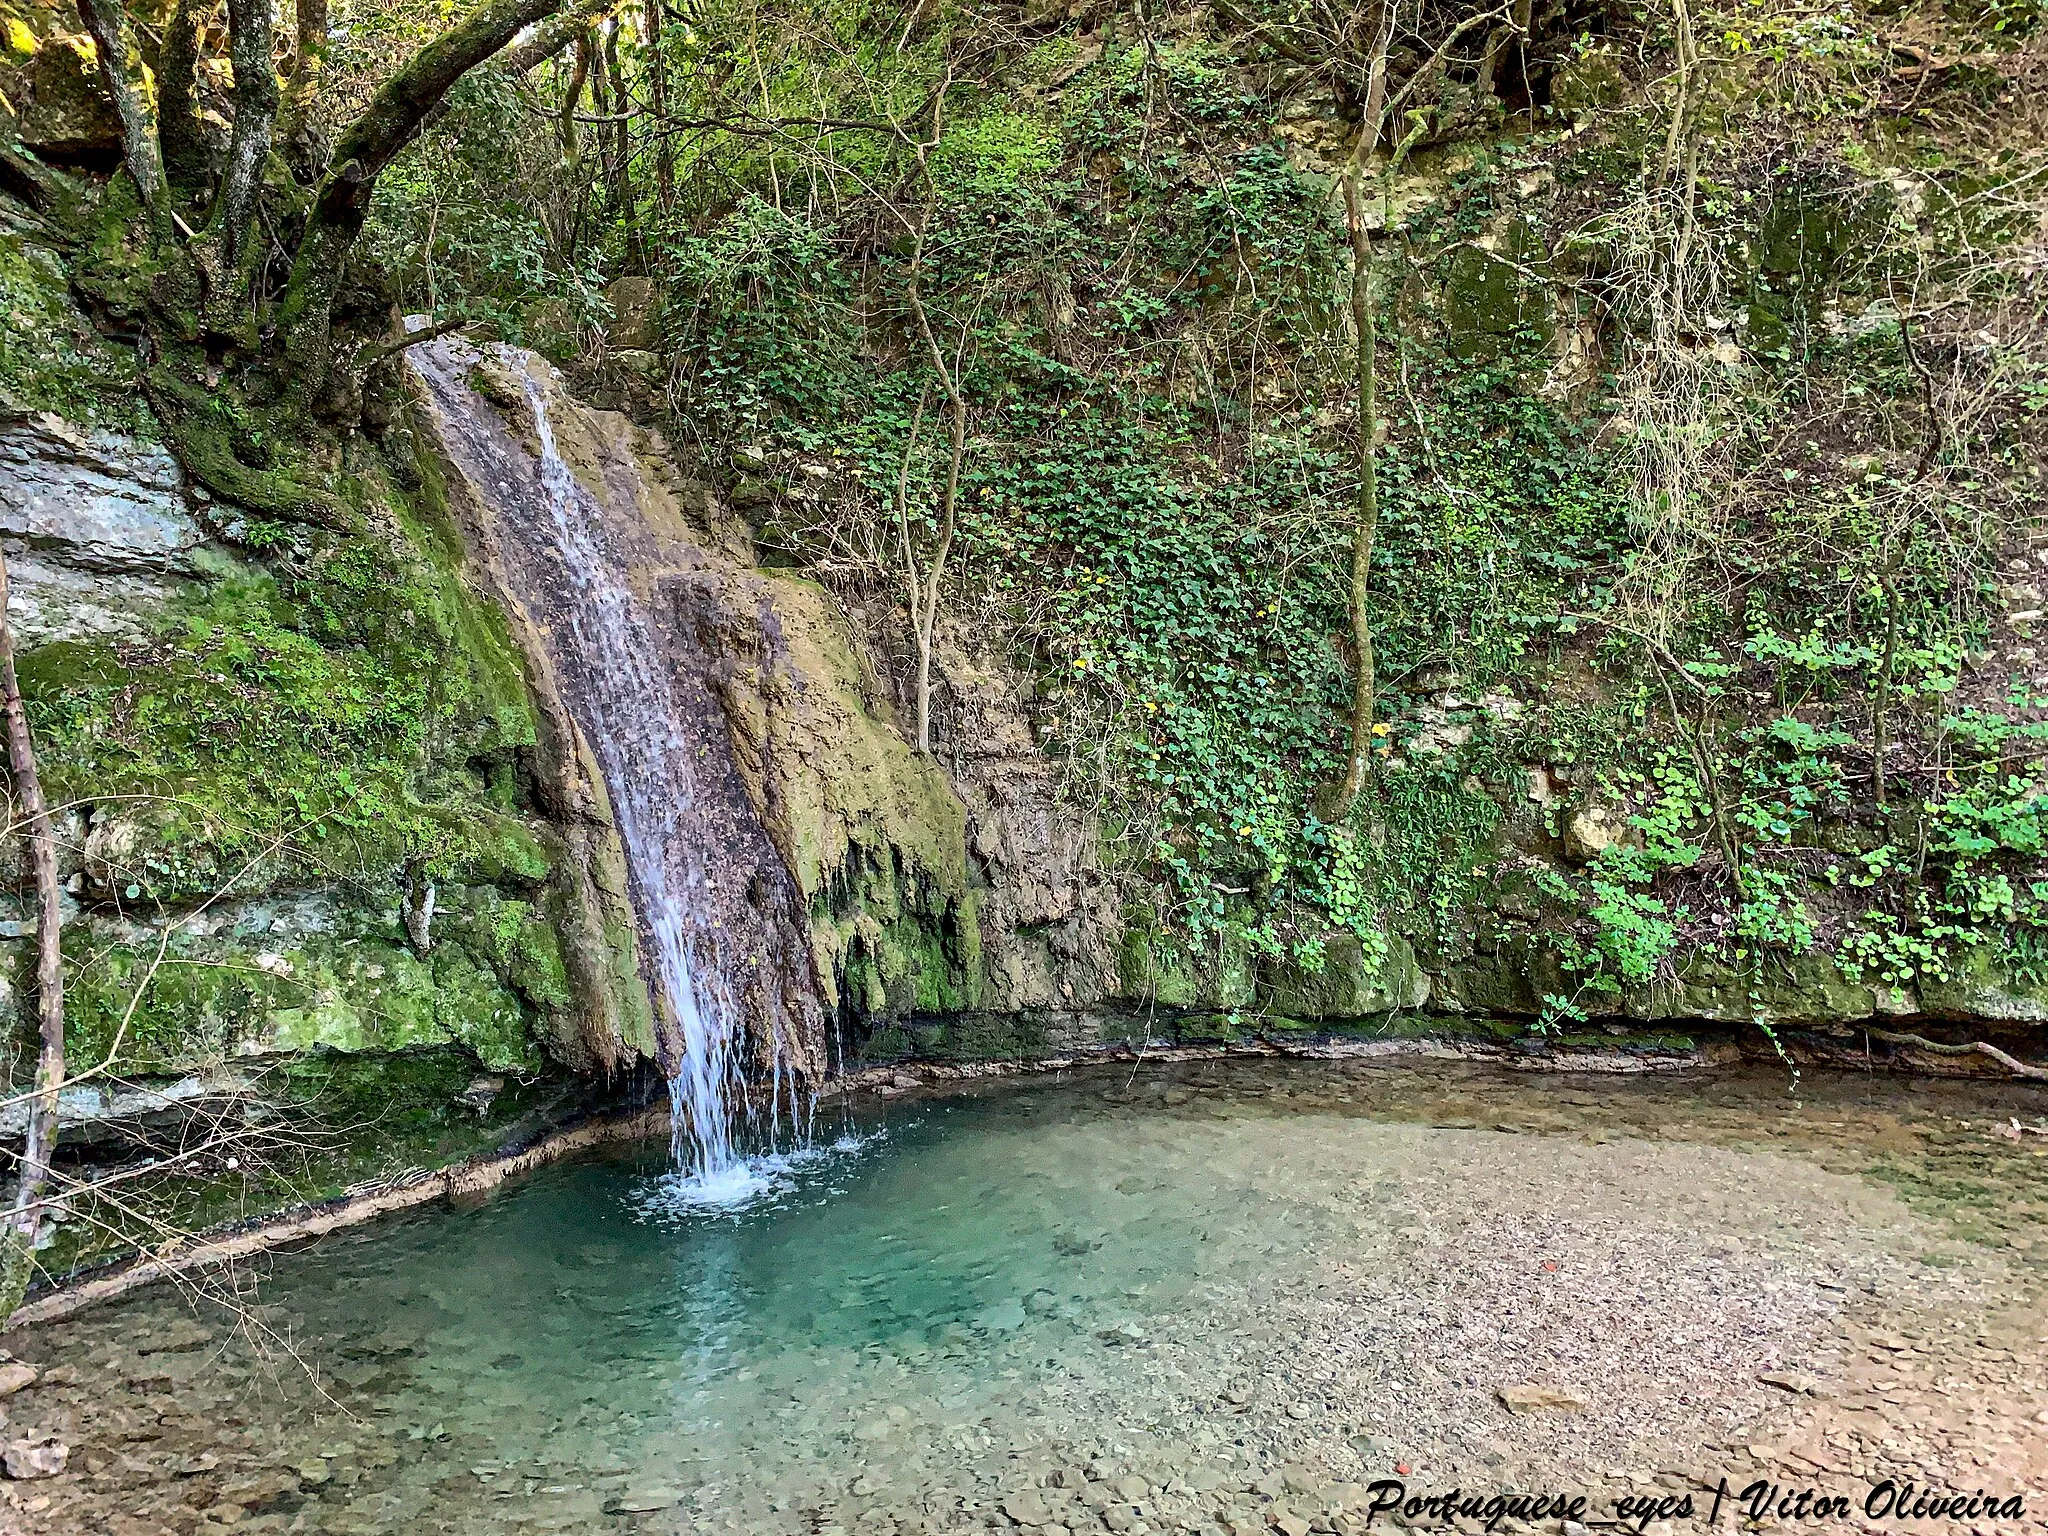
(370, 357)
(2013, 1064)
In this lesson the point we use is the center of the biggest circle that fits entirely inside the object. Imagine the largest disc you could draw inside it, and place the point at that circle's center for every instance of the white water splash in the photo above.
(646, 765)
(766, 1178)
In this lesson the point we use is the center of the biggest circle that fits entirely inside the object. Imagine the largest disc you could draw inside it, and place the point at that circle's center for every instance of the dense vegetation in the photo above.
(1709, 375)
(1708, 428)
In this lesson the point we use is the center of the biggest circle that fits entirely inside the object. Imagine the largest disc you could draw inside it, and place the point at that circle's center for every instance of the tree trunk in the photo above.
(256, 98)
(557, 33)
(1366, 527)
(1881, 701)
(107, 23)
(935, 577)
(177, 113)
(657, 102)
(370, 144)
(622, 152)
(572, 98)
(308, 74)
(547, 40)
(17, 1242)
(925, 612)
(913, 583)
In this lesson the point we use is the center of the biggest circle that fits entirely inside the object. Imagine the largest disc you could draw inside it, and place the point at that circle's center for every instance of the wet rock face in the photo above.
(1051, 917)
(97, 533)
(109, 549)
(620, 606)
(938, 885)
(1350, 983)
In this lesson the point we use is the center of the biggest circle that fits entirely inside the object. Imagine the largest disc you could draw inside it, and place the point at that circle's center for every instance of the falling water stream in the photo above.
(606, 591)
(645, 760)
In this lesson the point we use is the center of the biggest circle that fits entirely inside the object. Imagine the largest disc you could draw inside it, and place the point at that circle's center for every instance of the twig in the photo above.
(370, 357)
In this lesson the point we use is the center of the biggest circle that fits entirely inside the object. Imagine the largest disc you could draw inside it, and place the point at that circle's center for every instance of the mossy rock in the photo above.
(1510, 976)
(1979, 986)
(1348, 984)
(1158, 968)
(1801, 989)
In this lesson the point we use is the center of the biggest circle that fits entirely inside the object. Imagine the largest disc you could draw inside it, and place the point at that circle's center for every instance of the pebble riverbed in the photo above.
(1203, 1297)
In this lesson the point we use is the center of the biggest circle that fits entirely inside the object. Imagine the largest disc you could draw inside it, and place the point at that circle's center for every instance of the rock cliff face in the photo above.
(210, 936)
(954, 905)
(99, 539)
(922, 892)
(484, 899)
(323, 793)
(294, 774)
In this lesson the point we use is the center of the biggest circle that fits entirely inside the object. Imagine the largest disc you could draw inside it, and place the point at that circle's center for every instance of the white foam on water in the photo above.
(747, 1182)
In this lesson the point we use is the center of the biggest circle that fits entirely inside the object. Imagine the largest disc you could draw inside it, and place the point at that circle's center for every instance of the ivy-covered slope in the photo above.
(1710, 374)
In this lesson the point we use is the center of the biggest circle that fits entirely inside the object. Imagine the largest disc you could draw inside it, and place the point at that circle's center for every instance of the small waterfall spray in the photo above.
(612, 596)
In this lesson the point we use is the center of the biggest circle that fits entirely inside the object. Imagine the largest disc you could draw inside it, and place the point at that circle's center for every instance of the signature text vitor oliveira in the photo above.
(1888, 1500)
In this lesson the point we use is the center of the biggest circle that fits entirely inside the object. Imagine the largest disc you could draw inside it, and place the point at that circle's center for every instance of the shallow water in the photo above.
(1187, 1275)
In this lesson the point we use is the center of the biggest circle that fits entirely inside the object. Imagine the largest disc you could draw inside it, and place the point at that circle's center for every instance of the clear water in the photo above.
(1197, 1273)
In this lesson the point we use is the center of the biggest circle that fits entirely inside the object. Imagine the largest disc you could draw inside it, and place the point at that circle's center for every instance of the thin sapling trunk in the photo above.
(1365, 526)
(17, 1241)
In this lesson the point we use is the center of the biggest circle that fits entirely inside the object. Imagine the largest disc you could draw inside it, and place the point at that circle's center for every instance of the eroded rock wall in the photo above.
(294, 773)
(931, 886)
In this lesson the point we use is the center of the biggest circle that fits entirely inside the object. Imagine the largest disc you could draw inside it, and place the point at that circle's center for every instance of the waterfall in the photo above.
(605, 595)
(640, 750)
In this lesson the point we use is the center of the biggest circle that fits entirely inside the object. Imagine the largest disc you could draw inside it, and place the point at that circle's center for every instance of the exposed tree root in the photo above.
(2013, 1064)
(203, 448)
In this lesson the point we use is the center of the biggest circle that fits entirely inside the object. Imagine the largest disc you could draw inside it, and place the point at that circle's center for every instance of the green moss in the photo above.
(920, 963)
(520, 945)
(1162, 967)
(50, 358)
(1352, 982)
(188, 1009)
(965, 1037)
(352, 713)
(1489, 306)
(492, 976)
(343, 719)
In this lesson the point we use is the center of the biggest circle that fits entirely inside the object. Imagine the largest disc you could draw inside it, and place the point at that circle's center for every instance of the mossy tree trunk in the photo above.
(17, 1238)
(925, 593)
(657, 104)
(107, 23)
(203, 286)
(231, 238)
(179, 141)
(926, 588)
(308, 74)
(342, 203)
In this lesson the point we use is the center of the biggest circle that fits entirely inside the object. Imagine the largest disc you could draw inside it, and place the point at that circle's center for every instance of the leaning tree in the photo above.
(231, 264)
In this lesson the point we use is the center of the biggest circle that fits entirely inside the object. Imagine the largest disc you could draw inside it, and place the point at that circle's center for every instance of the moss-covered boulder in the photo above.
(67, 116)
(1158, 968)
(1980, 984)
(1351, 982)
